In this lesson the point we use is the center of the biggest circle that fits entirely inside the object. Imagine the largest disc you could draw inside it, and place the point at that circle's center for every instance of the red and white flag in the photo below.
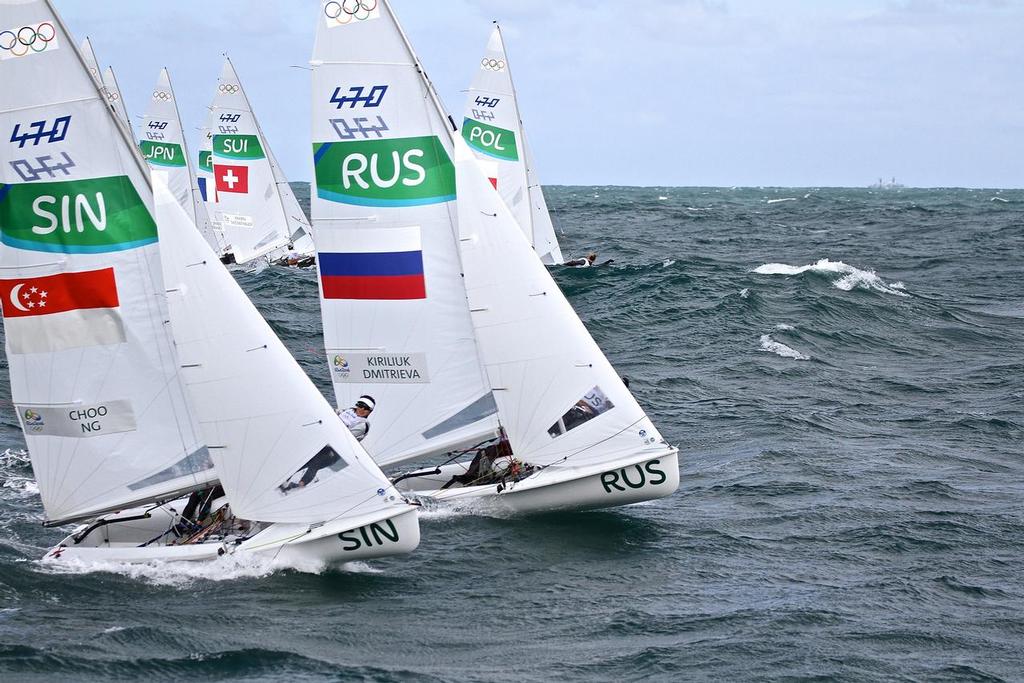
(59, 312)
(231, 178)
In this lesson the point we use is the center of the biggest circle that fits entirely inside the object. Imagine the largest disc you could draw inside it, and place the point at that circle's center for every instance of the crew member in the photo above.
(355, 418)
(585, 262)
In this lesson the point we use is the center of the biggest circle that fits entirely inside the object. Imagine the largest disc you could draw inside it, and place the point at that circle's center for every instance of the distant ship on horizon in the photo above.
(890, 185)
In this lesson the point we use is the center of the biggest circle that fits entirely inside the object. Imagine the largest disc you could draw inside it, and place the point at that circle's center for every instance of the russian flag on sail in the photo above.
(377, 264)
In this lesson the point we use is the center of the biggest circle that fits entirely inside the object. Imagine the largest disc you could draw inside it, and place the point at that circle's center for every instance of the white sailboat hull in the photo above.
(123, 537)
(552, 489)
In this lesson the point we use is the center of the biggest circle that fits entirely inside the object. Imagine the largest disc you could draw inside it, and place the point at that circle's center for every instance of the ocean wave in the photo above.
(852, 277)
(780, 349)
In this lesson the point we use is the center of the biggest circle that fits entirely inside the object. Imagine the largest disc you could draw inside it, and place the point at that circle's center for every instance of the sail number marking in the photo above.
(355, 96)
(24, 168)
(55, 133)
(646, 474)
(358, 538)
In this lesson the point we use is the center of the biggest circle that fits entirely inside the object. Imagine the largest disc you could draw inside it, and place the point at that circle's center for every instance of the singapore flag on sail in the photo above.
(60, 312)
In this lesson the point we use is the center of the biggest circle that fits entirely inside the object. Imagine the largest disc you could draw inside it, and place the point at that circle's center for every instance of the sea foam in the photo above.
(779, 349)
(851, 277)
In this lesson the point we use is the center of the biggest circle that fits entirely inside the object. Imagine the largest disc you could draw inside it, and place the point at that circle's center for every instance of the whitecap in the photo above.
(784, 199)
(778, 348)
(662, 198)
(852, 277)
(744, 293)
(667, 262)
(999, 199)
(784, 327)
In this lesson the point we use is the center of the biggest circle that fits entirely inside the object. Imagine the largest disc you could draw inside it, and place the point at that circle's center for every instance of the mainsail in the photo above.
(89, 57)
(163, 146)
(114, 99)
(94, 375)
(396, 322)
(248, 206)
(493, 128)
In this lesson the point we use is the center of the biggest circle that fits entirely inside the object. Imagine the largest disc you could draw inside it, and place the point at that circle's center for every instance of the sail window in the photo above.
(324, 462)
(593, 403)
(194, 463)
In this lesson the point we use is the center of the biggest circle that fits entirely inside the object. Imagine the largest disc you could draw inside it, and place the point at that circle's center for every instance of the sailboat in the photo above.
(204, 187)
(435, 304)
(139, 370)
(493, 128)
(164, 149)
(253, 205)
(106, 80)
(114, 98)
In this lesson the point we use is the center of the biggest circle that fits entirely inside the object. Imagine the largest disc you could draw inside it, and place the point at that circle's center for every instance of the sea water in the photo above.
(843, 372)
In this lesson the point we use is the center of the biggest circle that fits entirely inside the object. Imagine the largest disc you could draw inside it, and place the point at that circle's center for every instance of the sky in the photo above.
(651, 92)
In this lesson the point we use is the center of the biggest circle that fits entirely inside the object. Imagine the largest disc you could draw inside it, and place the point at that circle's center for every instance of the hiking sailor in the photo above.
(355, 417)
(585, 262)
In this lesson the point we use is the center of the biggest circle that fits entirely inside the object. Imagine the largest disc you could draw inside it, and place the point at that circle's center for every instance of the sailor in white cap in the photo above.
(355, 417)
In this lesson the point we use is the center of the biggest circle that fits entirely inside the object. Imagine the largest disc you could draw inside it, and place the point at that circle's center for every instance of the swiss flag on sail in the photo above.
(231, 178)
(63, 311)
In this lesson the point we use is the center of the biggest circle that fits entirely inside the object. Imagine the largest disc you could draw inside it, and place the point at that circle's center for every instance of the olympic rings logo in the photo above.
(344, 12)
(113, 97)
(492, 64)
(28, 39)
(228, 88)
(161, 96)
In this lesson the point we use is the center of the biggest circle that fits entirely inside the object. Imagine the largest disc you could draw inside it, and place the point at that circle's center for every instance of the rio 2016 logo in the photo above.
(34, 421)
(341, 366)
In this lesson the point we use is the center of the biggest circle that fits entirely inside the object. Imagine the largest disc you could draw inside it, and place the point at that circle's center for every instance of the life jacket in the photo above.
(359, 426)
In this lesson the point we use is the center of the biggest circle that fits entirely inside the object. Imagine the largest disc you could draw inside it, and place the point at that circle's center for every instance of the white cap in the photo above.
(367, 401)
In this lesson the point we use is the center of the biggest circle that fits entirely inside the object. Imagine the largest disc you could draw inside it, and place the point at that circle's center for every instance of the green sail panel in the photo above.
(162, 153)
(237, 147)
(389, 172)
(90, 216)
(490, 140)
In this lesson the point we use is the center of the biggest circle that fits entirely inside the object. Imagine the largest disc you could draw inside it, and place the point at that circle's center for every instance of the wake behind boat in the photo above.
(485, 369)
(141, 373)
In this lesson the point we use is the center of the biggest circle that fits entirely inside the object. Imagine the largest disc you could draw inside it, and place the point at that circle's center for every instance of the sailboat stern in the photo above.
(551, 489)
(339, 542)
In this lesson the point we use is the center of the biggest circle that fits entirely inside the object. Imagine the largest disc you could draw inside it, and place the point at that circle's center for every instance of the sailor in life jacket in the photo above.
(586, 262)
(355, 417)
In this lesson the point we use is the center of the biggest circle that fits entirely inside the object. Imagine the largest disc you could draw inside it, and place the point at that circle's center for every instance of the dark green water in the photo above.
(851, 502)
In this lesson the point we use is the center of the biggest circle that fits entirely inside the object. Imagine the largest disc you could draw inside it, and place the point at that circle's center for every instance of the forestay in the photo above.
(93, 371)
(493, 128)
(261, 416)
(396, 321)
(559, 398)
(164, 149)
(247, 205)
